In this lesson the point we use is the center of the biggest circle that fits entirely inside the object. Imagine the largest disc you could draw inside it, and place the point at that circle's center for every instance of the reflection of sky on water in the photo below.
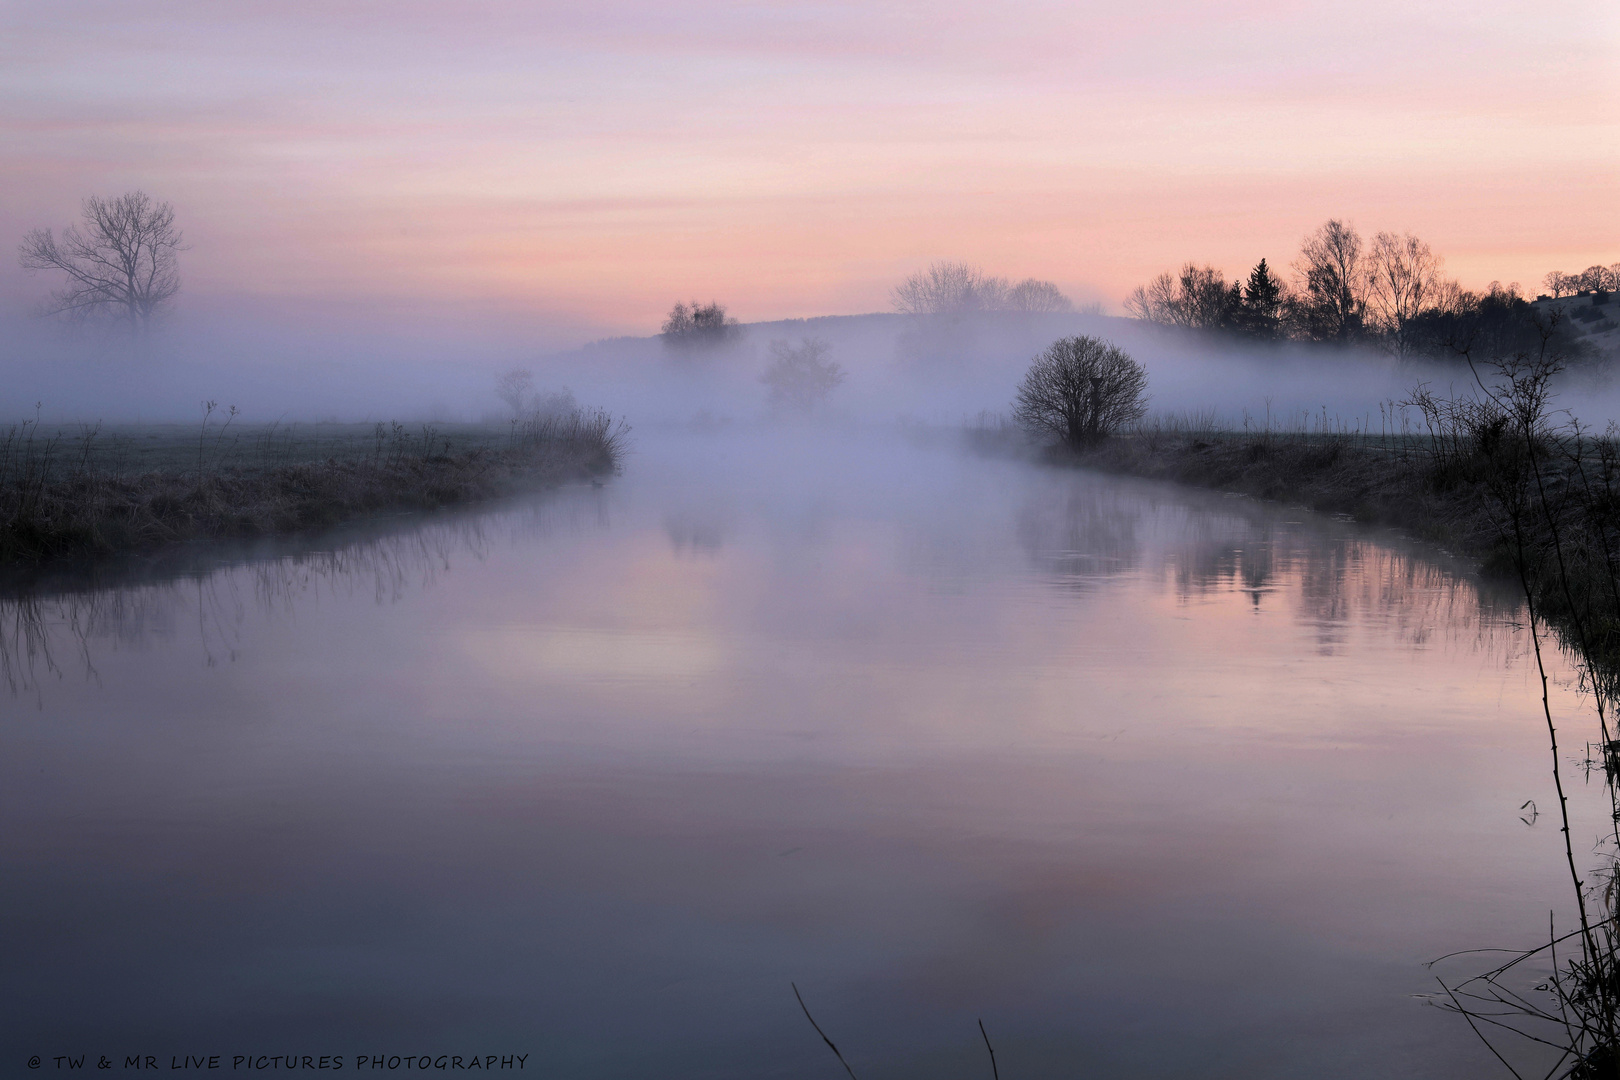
(1157, 783)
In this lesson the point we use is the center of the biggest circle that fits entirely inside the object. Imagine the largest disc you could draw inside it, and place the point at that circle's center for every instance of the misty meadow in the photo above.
(752, 541)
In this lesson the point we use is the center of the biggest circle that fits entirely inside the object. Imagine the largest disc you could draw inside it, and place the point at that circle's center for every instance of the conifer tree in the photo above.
(1262, 302)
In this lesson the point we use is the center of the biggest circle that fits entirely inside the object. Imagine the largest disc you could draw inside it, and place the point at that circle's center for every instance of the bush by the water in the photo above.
(1080, 390)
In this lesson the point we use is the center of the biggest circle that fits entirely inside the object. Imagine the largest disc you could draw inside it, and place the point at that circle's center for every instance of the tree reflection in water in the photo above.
(1085, 535)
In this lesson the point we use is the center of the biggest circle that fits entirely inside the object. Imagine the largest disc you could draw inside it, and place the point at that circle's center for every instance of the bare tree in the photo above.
(1331, 305)
(1403, 279)
(953, 288)
(949, 288)
(1032, 295)
(528, 405)
(122, 262)
(515, 387)
(1557, 283)
(1206, 297)
(1079, 390)
(1199, 299)
(1450, 297)
(1593, 278)
(1158, 302)
(801, 378)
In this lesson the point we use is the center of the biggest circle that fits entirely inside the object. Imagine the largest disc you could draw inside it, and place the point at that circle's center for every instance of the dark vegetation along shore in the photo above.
(71, 495)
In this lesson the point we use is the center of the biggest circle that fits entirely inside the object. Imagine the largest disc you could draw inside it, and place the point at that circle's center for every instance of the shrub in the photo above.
(800, 378)
(699, 325)
(1080, 390)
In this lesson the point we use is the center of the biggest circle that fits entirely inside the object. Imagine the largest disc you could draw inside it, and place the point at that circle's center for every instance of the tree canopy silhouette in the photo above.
(699, 325)
(1332, 303)
(1080, 390)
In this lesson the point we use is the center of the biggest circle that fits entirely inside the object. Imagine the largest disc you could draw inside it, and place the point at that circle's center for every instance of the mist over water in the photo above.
(321, 365)
(1156, 782)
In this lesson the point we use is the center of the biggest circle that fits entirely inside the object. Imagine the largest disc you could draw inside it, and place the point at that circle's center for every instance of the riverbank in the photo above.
(1377, 481)
(107, 494)
(1377, 484)
(1543, 514)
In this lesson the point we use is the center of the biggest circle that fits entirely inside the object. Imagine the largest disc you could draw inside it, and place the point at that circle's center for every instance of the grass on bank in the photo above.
(105, 491)
(1379, 476)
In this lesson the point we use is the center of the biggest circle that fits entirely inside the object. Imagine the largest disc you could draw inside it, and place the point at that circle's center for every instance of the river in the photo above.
(1155, 782)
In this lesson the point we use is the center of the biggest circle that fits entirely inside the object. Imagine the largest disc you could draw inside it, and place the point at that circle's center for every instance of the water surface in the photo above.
(1158, 783)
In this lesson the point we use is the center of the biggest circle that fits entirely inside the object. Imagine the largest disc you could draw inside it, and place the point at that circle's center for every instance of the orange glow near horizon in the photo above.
(791, 161)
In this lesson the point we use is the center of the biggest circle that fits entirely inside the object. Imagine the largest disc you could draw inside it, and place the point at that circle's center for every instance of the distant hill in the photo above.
(1593, 318)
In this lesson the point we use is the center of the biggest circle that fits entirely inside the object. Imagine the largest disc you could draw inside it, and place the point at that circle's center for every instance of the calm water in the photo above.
(1156, 782)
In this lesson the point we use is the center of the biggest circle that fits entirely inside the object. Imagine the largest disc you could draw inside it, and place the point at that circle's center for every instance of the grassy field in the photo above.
(98, 491)
(133, 449)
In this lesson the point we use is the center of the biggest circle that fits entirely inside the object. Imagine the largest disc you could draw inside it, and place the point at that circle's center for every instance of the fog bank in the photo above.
(898, 369)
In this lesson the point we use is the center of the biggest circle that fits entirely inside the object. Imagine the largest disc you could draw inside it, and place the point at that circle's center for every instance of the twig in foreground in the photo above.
(823, 1034)
(995, 1073)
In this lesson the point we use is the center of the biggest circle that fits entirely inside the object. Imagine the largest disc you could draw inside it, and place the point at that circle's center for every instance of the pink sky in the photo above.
(591, 163)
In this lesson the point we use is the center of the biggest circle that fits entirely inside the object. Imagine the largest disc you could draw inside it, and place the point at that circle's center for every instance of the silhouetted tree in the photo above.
(1199, 299)
(1206, 296)
(1594, 278)
(1557, 283)
(122, 262)
(800, 378)
(1331, 303)
(1403, 280)
(1080, 390)
(1262, 306)
(699, 325)
(1157, 302)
